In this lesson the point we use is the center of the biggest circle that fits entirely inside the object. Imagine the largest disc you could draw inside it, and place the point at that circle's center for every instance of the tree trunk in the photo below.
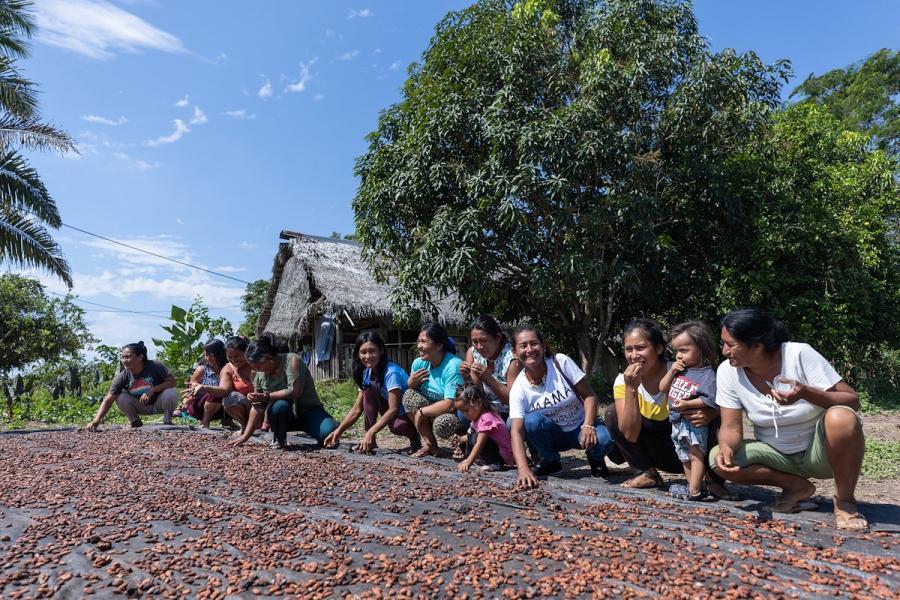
(585, 351)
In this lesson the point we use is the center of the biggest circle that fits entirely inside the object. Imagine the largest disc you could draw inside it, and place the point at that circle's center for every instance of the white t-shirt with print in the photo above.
(796, 423)
(555, 398)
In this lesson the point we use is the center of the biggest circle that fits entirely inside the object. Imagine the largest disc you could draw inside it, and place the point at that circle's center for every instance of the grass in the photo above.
(882, 460)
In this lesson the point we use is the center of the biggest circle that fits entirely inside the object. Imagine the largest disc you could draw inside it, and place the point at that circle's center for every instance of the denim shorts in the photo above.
(685, 435)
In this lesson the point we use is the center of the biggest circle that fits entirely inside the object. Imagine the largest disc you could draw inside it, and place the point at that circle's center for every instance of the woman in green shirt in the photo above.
(283, 388)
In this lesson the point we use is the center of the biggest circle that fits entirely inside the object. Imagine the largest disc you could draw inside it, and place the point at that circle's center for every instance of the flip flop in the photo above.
(848, 521)
(787, 508)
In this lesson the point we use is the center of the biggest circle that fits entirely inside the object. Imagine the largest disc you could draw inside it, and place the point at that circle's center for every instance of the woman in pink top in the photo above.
(488, 437)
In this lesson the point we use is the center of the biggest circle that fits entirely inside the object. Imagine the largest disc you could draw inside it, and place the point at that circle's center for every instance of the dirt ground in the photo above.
(167, 512)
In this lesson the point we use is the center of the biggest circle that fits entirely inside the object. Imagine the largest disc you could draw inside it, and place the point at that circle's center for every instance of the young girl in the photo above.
(690, 383)
(488, 435)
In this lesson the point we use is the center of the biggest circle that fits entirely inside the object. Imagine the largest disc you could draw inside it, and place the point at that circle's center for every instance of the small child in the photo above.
(488, 436)
(691, 384)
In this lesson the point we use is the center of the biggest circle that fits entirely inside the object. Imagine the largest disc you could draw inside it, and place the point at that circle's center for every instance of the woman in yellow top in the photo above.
(639, 420)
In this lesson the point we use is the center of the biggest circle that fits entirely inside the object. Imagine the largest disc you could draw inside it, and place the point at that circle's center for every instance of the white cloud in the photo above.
(222, 57)
(266, 90)
(362, 14)
(348, 55)
(318, 97)
(180, 130)
(229, 269)
(98, 29)
(245, 245)
(137, 163)
(179, 221)
(241, 115)
(394, 65)
(300, 84)
(199, 117)
(376, 51)
(104, 120)
(183, 102)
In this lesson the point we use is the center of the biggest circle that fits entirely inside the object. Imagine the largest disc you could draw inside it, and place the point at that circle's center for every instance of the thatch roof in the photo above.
(314, 275)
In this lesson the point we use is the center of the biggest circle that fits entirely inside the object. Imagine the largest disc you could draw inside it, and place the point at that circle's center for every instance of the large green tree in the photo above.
(863, 97)
(813, 241)
(26, 207)
(252, 304)
(37, 328)
(562, 160)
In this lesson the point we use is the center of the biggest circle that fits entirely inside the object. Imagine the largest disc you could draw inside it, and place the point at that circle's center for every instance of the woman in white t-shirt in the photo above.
(804, 417)
(552, 404)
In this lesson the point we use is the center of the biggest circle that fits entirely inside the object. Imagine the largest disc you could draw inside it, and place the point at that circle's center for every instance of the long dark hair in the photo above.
(266, 345)
(490, 326)
(523, 327)
(651, 330)
(702, 337)
(216, 348)
(437, 334)
(140, 349)
(754, 325)
(356, 366)
(237, 342)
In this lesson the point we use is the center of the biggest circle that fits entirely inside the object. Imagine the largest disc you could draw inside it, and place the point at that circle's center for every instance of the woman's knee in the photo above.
(535, 421)
(841, 422)
(280, 409)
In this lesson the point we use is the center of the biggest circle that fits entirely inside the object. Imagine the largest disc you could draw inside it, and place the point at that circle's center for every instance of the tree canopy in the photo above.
(561, 160)
(26, 207)
(863, 97)
(37, 328)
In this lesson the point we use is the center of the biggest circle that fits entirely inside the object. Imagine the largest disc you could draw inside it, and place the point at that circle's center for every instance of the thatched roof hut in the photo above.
(314, 278)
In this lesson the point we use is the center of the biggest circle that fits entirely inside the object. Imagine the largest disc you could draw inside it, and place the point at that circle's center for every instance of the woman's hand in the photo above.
(418, 378)
(526, 479)
(367, 444)
(145, 397)
(464, 466)
(725, 460)
(332, 440)
(256, 397)
(239, 441)
(789, 397)
(92, 426)
(465, 368)
(588, 437)
(634, 373)
(479, 370)
(701, 417)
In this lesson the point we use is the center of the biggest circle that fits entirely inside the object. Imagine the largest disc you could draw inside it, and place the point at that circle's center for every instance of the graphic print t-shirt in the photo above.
(154, 373)
(555, 399)
(691, 384)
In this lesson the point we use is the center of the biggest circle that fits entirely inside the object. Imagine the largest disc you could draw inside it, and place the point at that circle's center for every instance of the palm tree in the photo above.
(26, 207)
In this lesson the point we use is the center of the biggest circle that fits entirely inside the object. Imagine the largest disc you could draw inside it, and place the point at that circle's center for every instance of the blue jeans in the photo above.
(314, 422)
(550, 439)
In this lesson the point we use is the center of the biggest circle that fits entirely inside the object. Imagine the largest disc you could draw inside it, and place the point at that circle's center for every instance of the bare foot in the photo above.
(720, 491)
(795, 500)
(424, 451)
(847, 517)
(643, 481)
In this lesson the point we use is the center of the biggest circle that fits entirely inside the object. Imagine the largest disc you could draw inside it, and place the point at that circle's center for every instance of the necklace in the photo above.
(539, 386)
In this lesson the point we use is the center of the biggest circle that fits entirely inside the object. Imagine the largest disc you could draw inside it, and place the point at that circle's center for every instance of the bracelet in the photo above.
(587, 427)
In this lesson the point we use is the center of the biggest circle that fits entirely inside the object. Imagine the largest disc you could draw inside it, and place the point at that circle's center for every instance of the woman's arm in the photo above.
(465, 367)
(226, 383)
(168, 382)
(840, 394)
(526, 478)
(480, 441)
(588, 435)
(349, 419)
(296, 390)
(731, 434)
(104, 407)
(500, 388)
(257, 411)
(627, 412)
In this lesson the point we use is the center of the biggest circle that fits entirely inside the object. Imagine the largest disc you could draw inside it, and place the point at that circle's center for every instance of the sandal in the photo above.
(848, 520)
(642, 481)
(424, 451)
(720, 492)
(789, 508)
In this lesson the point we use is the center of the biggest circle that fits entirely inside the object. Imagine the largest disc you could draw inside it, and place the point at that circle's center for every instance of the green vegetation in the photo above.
(189, 332)
(26, 207)
(338, 397)
(882, 460)
(252, 302)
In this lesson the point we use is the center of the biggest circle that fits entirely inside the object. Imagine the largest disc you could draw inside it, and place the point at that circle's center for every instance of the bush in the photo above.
(882, 460)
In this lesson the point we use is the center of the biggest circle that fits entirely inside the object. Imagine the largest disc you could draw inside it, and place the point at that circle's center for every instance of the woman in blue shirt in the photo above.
(435, 375)
(381, 384)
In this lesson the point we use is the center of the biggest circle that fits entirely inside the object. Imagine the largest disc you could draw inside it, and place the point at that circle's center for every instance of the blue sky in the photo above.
(206, 127)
